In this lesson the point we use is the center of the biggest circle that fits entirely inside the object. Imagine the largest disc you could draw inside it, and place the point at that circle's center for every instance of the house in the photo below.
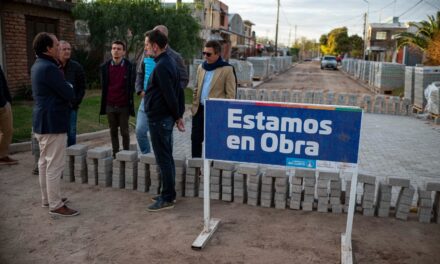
(236, 28)
(249, 39)
(381, 40)
(20, 21)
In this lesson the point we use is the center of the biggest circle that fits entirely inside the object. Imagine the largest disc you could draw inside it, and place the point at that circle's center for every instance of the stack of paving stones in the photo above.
(241, 176)
(99, 166)
(405, 197)
(77, 155)
(144, 167)
(195, 168)
(296, 192)
(309, 180)
(179, 163)
(155, 178)
(253, 188)
(215, 181)
(335, 191)
(227, 183)
(383, 200)
(281, 187)
(267, 189)
(347, 196)
(369, 191)
(126, 175)
(435, 187)
(424, 203)
(322, 190)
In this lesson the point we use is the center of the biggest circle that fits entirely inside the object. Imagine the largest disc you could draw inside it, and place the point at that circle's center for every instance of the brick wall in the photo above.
(13, 17)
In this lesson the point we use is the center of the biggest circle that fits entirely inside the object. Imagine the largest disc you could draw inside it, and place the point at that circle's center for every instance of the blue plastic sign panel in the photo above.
(286, 134)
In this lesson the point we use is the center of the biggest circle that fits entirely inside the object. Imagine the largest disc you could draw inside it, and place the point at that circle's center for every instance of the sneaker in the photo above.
(155, 198)
(160, 205)
(64, 200)
(8, 161)
(64, 211)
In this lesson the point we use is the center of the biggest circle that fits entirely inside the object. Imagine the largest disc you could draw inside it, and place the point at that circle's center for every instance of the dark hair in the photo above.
(118, 42)
(155, 36)
(215, 45)
(41, 41)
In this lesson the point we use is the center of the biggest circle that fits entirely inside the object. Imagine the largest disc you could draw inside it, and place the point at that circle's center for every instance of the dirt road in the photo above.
(308, 76)
(114, 226)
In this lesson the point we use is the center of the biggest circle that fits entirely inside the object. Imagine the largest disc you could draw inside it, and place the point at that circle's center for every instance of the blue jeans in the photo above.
(142, 129)
(161, 133)
(71, 129)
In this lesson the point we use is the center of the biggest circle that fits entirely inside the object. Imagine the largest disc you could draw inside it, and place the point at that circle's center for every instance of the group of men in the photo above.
(160, 78)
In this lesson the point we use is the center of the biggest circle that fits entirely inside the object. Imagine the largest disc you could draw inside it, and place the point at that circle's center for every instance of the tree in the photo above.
(128, 20)
(356, 46)
(426, 37)
(336, 42)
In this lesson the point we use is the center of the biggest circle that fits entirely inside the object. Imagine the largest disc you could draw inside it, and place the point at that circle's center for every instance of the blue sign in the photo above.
(281, 133)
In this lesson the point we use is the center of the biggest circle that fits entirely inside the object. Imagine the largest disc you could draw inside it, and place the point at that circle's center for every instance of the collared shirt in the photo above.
(206, 87)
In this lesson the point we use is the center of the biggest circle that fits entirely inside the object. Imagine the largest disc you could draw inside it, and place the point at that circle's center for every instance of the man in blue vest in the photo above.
(146, 66)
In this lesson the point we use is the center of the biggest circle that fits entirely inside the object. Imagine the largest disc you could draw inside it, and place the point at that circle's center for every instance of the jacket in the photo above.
(129, 86)
(164, 96)
(74, 74)
(52, 95)
(5, 96)
(223, 85)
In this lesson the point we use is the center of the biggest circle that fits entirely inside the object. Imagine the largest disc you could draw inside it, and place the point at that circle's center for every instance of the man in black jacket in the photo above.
(50, 118)
(162, 100)
(117, 81)
(74, 74)
(5, 122)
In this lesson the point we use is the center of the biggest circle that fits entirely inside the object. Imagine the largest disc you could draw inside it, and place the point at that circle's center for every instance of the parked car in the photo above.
(329, 62)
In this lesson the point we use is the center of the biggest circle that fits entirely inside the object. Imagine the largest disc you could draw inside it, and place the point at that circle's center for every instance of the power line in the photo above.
(431, 4)
(418, 3)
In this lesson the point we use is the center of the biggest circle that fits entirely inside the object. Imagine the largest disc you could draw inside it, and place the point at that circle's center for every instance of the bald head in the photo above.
(163, 29)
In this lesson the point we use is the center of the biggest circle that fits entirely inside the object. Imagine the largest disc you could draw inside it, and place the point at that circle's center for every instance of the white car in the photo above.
(329, 62)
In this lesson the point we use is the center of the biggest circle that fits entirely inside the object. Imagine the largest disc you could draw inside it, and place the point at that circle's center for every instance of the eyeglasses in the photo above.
(207, 54)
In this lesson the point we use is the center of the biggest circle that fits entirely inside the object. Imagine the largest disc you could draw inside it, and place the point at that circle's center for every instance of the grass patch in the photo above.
(89, 119)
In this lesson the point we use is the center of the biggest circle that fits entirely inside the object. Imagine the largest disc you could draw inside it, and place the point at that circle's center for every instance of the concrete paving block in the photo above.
(254, 179)
(335, 193)
(367, 204)
(266, 188)
(384, 204)
(195, 162)
(385, 197)
(77, 150)
(328, 176)
(403, 208)
(427, 203)
(99, 153)
(295, 205)
(309, 198)
(227, 181)
(322, 192)
(425, 211)
(191, 171)
(227, 197)
(408, 192)
(399, 182)
(401, 216)
(309, 190)
(368, 196)
(224, 165)
(127, 155)
(148, 158)
(266, 195)
(216, 188)
(191, 178)
(335, 200)
(267, 180)
(433, 187)
(227, 189)
(424, 194)
(265, 203)
(248, 169)
(309, 182)
(280, 196)
(424, 219)
(226, 174)
(305, 173)
(296, 189)
(369, 188)
(337, 208)
(367, 179)
(238, 177)
(253, 194)
(296, 181)
(215, 180)
(214, 172)
(322, 183)
(276, 172)
(179, 161)
(104, 162)
(335, 185)
(307, 206)
(131, 165)
(383, 212)
(322, 208)
(368, 211)
(323, 200)
(295, 196)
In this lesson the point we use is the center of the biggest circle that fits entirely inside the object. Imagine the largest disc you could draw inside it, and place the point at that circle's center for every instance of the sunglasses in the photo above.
(207, 54)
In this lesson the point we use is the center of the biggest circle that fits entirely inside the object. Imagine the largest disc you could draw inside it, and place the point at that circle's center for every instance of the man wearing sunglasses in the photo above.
(215, 79)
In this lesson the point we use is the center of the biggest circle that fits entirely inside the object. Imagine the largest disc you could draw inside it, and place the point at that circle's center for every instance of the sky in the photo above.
(316, 17)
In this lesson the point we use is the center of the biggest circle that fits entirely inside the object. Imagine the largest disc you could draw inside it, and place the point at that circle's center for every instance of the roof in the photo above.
(248, 22)
(53, 4)
(389, 25)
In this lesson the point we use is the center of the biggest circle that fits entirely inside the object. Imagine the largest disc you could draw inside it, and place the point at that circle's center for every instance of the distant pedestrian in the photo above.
(163, 99)
(52, 95)
(6, 127)
(215, 79)
(74, 74)
(146, 66)
(117, 82)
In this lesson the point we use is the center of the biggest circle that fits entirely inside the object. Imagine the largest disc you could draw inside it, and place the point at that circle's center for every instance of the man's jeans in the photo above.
(118, 117)
(71, 129)
(161, 133)
(142, 130)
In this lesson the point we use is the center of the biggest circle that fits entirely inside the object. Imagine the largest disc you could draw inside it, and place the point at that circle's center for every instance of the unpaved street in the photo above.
(114, 226)
(309, 76)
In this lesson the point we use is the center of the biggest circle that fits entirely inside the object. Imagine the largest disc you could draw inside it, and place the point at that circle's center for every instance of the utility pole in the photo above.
(290, 32)
(295, 34)
(276, 30)
(365, 36)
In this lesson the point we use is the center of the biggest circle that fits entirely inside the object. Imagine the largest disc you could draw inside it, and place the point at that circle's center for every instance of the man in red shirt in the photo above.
(117, 81)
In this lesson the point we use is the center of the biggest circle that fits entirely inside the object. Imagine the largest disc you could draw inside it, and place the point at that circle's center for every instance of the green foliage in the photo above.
(425, 32)
(128, 20)
(357, 44)
(338, 42)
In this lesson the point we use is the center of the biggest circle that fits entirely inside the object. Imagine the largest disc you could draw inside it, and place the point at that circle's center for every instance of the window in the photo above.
(381, 35)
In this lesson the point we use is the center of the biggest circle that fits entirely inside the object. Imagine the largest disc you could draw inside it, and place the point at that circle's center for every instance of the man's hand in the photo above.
(142, 94)
(180, 125)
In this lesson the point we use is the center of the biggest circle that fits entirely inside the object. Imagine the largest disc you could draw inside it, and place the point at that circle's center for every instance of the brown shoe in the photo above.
(8, 161)
(64, 211)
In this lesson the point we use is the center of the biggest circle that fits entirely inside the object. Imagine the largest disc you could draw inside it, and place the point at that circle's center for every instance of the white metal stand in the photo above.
(346, 247)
